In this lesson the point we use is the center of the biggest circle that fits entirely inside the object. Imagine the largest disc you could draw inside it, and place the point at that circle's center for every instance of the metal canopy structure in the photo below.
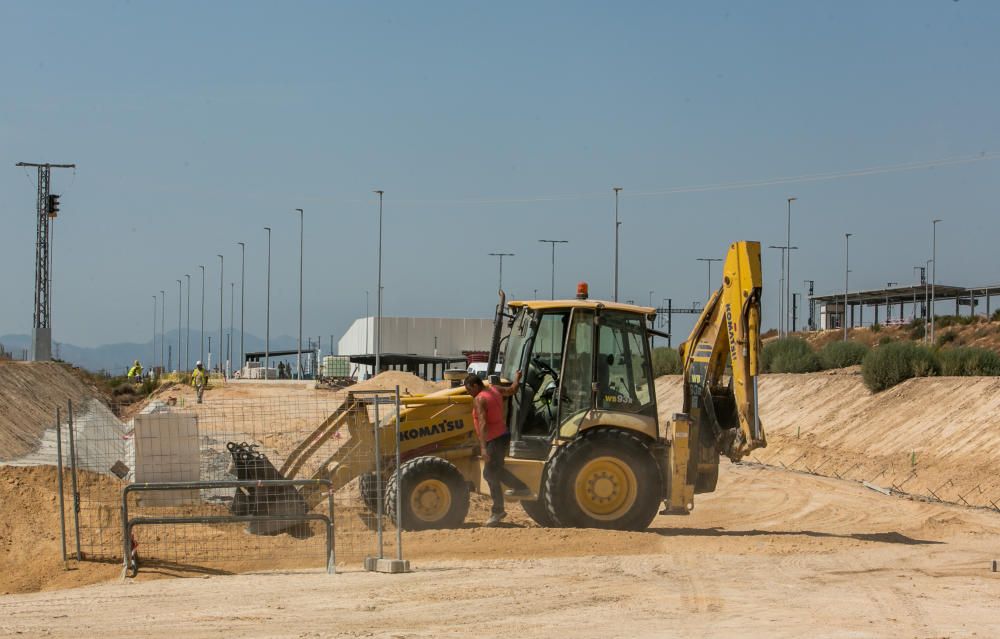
(917, 296)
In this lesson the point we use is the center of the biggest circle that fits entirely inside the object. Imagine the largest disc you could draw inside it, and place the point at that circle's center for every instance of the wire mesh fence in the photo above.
(234, 516)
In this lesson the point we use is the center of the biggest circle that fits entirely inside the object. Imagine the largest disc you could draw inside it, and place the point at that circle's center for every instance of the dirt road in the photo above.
(773, 554)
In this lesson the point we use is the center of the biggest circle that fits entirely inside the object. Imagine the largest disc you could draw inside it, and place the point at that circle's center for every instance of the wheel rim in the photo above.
(430, 500)
(606, 488)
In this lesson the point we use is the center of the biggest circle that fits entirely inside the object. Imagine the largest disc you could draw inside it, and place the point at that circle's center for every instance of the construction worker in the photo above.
(199, 379)
(135, 373)
(494, 441)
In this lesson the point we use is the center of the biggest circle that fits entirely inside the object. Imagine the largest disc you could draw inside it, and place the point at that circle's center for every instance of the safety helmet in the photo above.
(198, 363)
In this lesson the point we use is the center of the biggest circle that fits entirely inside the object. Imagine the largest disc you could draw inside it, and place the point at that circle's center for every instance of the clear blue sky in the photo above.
(194, 125)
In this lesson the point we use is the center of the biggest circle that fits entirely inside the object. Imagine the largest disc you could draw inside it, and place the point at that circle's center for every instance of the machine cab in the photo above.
(584, 363)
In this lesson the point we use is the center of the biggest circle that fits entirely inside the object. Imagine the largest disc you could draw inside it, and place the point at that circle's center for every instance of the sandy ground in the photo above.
(772, 553)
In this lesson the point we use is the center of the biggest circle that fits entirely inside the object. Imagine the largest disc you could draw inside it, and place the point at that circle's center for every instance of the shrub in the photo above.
(666, 361)
(917, 328)
(888, 365)
(969, 361)
(945, 338)
(842, 354)
(789, 355)
(885, 339)
(995, 317)
(876, 327)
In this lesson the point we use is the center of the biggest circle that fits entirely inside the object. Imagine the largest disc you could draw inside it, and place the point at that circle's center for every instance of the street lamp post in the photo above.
(152, 360)
(709, 261)
(501, 256)
(243, 290)
(788, 266)
(298, 355)
(267, 311)
(163, 337)
(617, 190)
(202, 358)
(553, 243)
(934, 224)
(180, 304)
(187, 345)
(926, 299)
(847, 270)
(229, 342)
(378, 291)
(222, 270)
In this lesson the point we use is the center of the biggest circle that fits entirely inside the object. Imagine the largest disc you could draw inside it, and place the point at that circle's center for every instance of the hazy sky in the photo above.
(489, 126)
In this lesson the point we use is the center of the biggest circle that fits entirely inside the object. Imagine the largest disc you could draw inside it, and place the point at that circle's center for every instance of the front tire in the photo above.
(434, 495)
(605, 478)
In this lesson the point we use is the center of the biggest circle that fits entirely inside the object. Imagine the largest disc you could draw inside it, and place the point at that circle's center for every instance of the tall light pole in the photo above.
(298, 356)
(934, 224)
(378, 291)
(267, 311)
(243, 291)
(617, 190)
(788, 267)
(232, 305)
(202, 358)
(163, 337)
(926, 300)
(553, 243)
(847, 271)
(180, 304)
(501, 256)
(152, 360)
(709, 260)
(187, 346)
(222, 270)
(783, 302)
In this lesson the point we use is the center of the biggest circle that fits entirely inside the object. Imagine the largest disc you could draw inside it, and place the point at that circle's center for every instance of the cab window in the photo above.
(624, 376)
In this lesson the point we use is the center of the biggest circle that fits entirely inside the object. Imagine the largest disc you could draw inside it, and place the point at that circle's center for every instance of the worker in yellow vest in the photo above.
(199, 379)
(135, 373)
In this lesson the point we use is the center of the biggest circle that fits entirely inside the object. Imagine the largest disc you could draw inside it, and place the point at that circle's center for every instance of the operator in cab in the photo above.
(494, 441)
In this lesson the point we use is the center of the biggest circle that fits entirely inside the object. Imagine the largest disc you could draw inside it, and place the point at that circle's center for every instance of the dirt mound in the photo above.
(931, 436)
(30, 556)
(30, 392)
(409, 384)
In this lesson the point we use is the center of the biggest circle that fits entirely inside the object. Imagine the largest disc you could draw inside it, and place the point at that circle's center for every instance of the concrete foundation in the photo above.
(374, 564)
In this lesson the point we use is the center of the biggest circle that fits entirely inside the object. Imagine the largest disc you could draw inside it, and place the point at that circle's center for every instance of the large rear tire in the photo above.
(605, 478)
(434, 495)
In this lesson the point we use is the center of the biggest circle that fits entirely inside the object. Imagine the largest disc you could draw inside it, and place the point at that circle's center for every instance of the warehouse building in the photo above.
(425, 346)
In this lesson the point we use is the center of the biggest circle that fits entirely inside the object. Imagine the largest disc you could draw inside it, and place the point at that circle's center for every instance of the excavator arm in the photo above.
(725, 339)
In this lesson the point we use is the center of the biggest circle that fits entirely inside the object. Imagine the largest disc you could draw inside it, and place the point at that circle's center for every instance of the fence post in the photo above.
(59, 470)
(76, 493)
(399, 489)
(331, 557)
(378, 477)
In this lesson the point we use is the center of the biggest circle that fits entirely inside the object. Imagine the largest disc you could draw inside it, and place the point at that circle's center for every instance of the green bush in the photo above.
(789, 355)
(969, 361)
(888, 365)
(917, 328)
(876, 327)
(885, 339)
(842, 354)
(666, 361)
(995, 317)
(945, 338)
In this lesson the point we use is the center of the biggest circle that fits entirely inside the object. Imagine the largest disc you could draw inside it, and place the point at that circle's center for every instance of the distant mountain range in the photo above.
(116, 358)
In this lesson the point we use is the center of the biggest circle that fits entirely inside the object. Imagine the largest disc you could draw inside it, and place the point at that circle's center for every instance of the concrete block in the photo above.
(374, 564)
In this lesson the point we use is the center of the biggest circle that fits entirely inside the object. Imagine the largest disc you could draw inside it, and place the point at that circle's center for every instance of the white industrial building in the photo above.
(442, 337)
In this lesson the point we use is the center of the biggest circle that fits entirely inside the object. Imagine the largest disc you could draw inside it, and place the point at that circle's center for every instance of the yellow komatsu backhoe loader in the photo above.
(586, 437)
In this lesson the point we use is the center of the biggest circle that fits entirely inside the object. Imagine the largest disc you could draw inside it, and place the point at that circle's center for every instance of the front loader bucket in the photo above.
(267, 501)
